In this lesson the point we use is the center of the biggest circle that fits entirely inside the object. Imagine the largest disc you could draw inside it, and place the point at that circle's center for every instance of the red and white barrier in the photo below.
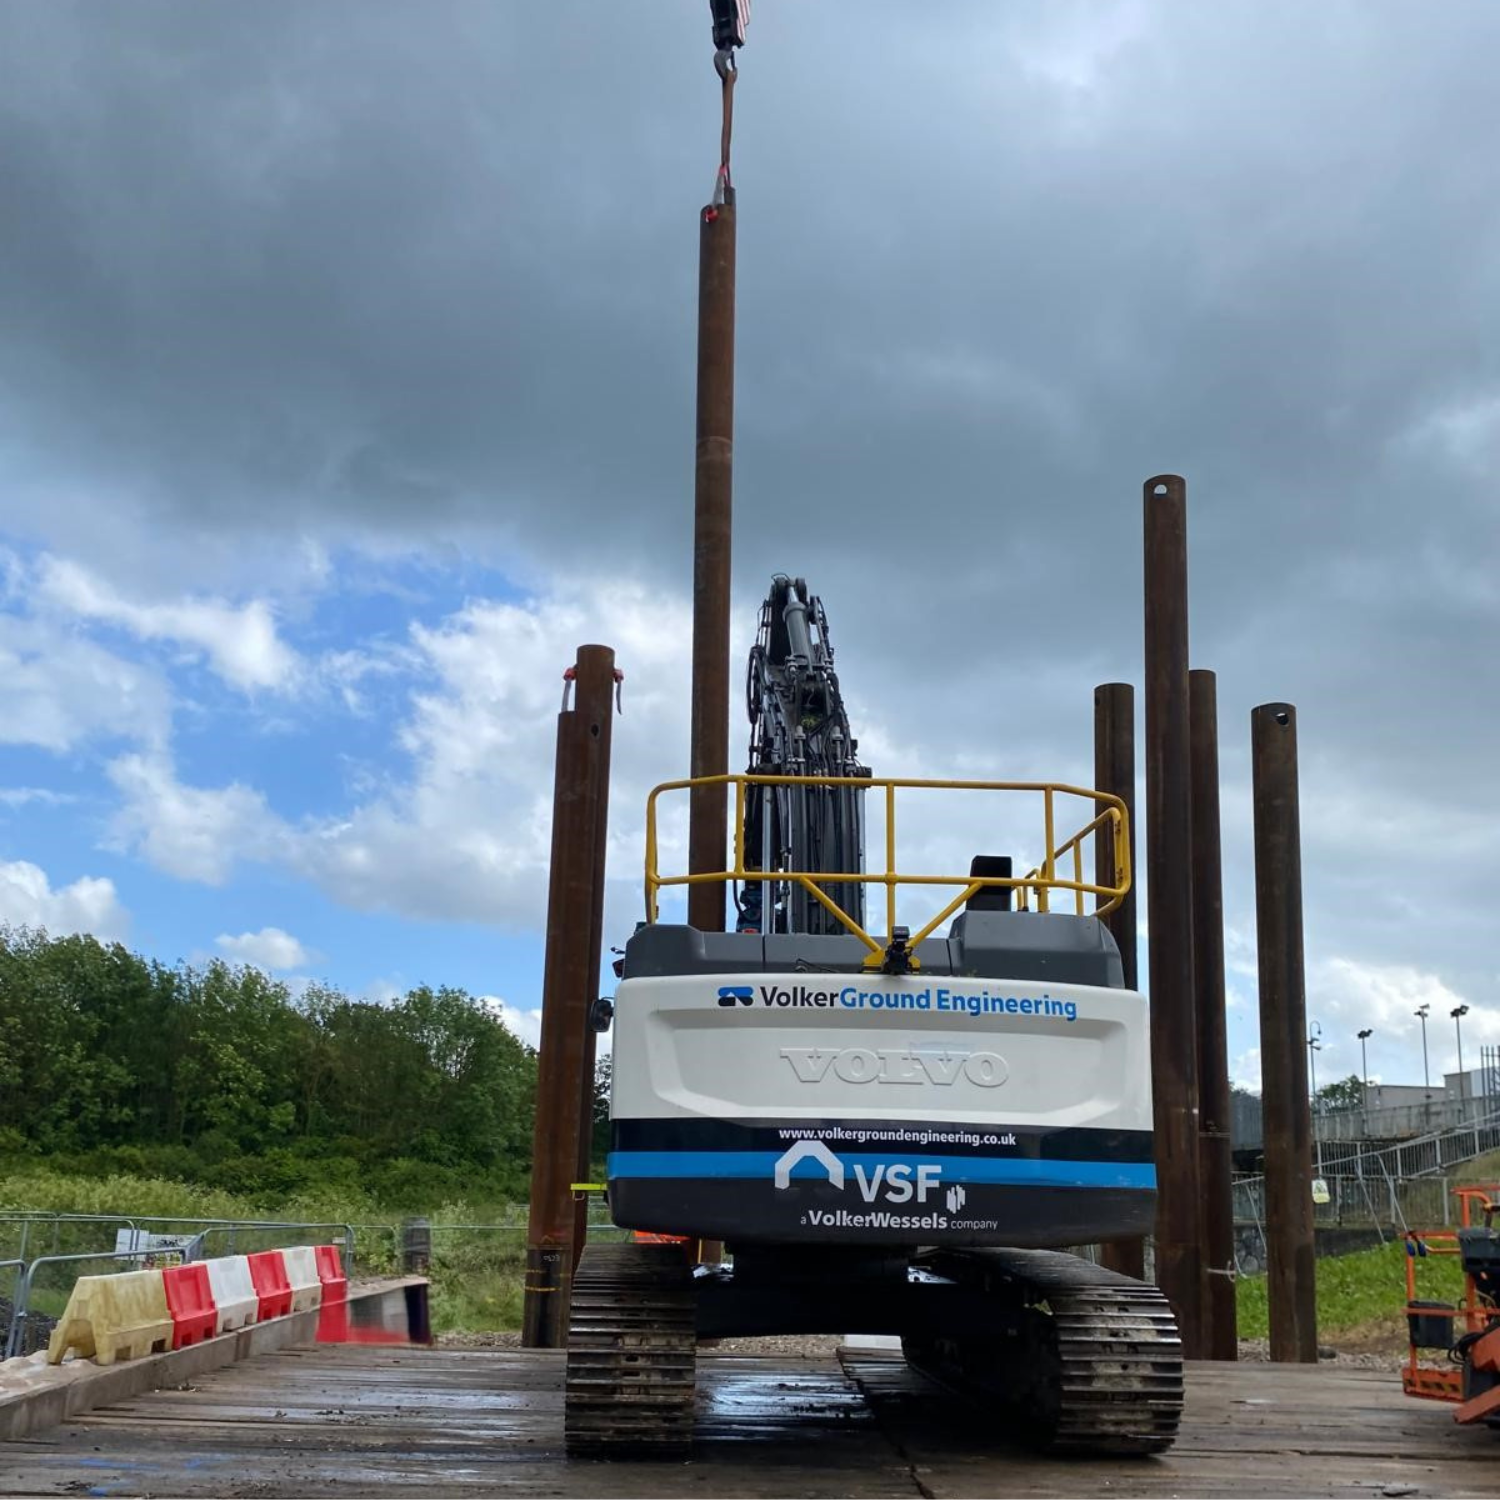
(139, 1312)
(233, 1292)
(333, 1315)
(190, 1303)
(274, 1291)
(302, 1276)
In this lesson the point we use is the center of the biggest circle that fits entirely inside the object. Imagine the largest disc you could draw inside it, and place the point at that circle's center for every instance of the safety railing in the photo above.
(216, 1237)
(1111, 820)
(20, 1228)
(237, 1233)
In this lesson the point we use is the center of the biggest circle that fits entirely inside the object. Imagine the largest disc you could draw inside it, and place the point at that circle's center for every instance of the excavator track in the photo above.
(1099, 1372)
(632, 1350)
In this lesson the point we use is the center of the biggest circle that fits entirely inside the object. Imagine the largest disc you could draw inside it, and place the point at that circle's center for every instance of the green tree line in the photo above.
(217, 1073)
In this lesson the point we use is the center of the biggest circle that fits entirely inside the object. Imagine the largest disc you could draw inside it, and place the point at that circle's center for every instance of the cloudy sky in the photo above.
(346, 385)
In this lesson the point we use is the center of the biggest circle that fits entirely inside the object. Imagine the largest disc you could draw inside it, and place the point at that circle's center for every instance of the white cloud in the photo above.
(1345, 995)
(466, 834)
(57, 691)
(23, 796)
(526, 1025)
(1244, 1069)
(270, 948)
(241, 642)
(1466, 432)
(87, 905)
(194, 833)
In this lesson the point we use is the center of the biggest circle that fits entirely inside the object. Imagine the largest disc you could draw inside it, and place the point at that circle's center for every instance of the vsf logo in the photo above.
(736, 994)
(895, 1064)
(894, 1182)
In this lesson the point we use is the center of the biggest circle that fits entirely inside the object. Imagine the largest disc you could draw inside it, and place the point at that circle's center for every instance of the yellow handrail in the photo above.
(1042, 879)
(1075, 845)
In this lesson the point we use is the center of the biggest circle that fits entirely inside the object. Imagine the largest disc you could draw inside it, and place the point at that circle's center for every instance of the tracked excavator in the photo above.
(892, 1132)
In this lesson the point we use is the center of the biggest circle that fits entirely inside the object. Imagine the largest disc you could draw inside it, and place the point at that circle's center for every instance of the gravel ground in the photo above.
(1259, 1351)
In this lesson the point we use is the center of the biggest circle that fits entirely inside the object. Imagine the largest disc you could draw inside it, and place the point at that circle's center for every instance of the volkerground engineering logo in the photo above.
(930, 998)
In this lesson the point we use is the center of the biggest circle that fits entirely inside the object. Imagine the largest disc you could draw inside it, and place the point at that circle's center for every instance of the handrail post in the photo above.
(1044, 892)
(18, 1312)
(739, 825)
(890, 859)
(653, 880)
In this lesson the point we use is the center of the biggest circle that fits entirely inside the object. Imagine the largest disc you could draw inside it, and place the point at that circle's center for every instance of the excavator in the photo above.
(896, 1132)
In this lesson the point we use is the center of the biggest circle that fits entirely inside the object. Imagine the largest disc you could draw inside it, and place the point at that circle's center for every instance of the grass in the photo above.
(1358, 1292)
(1360, 1296)
(478, 1301)
(1484, 1168)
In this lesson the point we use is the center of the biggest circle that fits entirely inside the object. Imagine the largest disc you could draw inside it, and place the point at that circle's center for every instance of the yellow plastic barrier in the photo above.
(113, 1317)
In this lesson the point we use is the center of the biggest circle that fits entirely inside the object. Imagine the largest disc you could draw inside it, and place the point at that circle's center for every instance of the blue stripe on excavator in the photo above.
(762, 1164)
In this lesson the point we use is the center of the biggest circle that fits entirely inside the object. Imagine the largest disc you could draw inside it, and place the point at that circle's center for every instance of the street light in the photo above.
(1421, 1015)
(1458, 1013)
(1364, 1069)
(1314, 1046)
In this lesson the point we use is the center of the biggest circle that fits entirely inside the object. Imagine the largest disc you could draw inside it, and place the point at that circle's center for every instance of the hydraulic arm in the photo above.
(799, 727)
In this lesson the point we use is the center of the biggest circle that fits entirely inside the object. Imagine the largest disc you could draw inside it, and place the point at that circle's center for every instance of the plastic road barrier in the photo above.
(233, 1292)
(333, 1316)
(191, 1303)
(302, 1274)
(113, 1317)
(331, 1273)
(272, 1289)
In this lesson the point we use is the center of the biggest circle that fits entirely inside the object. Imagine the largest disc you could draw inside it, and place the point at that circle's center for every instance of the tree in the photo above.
(603, 1075)
(1346, 1093)
(225, 1077)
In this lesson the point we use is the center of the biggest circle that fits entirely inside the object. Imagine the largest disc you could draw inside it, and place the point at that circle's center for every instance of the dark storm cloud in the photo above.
(425, 276)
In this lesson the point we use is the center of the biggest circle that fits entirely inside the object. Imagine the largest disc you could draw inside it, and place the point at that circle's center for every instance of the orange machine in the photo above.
(1468, 1332)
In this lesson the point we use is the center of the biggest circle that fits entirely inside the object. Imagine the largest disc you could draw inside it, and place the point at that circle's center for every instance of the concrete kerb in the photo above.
(43, 1401)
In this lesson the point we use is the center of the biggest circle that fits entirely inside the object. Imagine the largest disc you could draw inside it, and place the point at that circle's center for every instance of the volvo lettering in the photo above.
(905, 1065)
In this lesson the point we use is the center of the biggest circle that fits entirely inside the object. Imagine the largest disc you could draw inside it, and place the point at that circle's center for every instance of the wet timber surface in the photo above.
(350, 1421)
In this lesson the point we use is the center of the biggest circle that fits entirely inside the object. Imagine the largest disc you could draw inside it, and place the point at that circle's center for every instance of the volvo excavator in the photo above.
(893, 1131)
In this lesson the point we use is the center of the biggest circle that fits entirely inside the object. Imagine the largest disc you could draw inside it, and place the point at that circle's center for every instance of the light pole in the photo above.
(1421, 1015)
(1458, 1013)
(1364, 1073)
(1314, 1046)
